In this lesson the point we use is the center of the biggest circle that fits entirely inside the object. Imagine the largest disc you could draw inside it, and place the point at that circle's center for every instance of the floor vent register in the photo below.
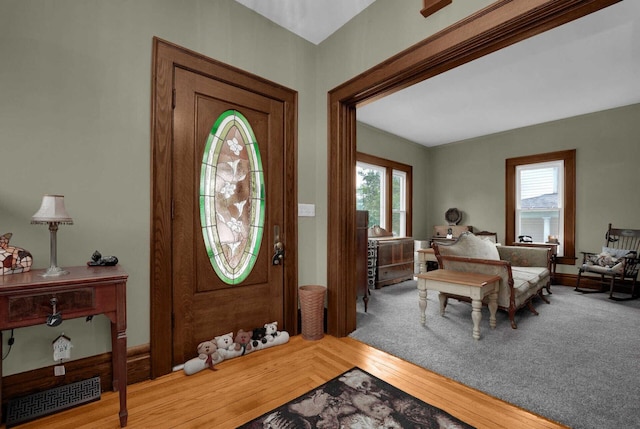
(27, 408)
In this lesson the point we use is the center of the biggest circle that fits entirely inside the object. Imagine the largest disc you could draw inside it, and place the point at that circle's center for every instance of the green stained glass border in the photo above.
(209, 215)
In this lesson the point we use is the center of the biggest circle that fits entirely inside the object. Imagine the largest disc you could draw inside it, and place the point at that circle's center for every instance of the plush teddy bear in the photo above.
(271, 331)
(243, 341)
(225, 342)
(208, 356)
(208, 351)
(258, 336)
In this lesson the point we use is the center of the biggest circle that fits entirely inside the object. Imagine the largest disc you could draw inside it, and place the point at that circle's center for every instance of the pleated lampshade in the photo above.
(52, 210)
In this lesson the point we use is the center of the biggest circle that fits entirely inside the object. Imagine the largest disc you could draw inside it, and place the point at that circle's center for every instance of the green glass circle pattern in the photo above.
(232, 197)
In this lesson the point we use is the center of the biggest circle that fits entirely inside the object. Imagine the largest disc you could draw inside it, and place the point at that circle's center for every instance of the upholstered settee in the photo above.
(525, 271)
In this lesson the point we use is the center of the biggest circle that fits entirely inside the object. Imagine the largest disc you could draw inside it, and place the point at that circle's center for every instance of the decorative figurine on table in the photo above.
(449, 233)
(98, 260)
(13, 259)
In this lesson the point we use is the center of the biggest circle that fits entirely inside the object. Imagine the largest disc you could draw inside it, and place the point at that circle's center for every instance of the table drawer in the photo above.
(37, 306)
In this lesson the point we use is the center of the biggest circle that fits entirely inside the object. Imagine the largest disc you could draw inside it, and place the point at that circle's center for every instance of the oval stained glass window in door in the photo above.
(232, 197)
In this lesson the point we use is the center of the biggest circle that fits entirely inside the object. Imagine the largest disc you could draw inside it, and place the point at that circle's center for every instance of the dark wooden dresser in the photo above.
(394, 260)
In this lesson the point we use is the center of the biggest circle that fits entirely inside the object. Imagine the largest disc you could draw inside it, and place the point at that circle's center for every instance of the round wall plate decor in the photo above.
(453, 216)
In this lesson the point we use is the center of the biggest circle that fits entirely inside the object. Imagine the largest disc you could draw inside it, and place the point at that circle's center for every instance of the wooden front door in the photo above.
(230, 203)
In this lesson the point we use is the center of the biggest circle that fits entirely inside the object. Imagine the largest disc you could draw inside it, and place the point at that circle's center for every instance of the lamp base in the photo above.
(54, 271)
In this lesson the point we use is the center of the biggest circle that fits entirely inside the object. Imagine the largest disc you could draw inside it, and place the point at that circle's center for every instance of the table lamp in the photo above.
(53, 213)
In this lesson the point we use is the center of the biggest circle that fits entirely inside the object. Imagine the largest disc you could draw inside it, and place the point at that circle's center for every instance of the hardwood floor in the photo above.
(247, 387)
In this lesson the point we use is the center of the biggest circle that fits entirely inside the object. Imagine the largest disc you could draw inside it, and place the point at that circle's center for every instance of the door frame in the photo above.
(166, 56)
(501, 24)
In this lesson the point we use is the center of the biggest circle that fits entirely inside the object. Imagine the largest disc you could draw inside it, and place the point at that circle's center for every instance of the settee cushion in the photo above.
(470, 246)
(527, 281)
(604, 266)
(531, 274)
(608, 261)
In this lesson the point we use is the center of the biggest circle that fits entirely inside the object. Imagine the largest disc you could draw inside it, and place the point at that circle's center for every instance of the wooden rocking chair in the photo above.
(618, 261)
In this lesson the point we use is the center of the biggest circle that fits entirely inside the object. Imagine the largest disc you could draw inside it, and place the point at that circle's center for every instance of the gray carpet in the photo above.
(577, 363)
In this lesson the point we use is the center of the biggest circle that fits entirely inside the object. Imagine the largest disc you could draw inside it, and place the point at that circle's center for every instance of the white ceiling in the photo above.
(584, 66)
(313, 20)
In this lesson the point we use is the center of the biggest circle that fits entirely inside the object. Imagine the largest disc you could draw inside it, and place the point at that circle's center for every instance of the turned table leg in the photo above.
(422, 301)
(476, 315)
(493, 308)
(443, 302)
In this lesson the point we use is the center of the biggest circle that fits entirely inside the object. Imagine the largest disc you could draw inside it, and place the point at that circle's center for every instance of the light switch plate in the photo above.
(307, 210)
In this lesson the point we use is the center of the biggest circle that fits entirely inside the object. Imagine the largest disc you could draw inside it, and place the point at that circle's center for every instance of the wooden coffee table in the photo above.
(471, 285)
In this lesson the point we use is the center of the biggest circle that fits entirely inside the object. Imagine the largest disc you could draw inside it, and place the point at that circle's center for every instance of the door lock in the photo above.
(278, 254)
(278, 247)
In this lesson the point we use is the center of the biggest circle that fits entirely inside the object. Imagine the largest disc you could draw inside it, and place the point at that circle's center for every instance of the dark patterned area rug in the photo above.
(356, 399)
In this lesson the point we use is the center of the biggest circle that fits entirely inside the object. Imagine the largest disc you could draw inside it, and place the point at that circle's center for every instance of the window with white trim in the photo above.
(539, 201)
(399, 203)
(383, 188)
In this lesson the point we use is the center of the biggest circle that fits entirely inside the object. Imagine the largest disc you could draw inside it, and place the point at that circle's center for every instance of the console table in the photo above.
(472, 285)
(26, 300)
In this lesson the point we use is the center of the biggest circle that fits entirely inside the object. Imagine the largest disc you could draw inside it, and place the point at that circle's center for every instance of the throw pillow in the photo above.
(616, 253)
(603, 259)
(470, 246)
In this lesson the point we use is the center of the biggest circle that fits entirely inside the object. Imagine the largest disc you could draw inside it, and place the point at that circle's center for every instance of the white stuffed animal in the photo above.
(271, 331)
(225, 342)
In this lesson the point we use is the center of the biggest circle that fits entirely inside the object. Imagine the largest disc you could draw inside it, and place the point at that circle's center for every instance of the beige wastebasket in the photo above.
(312, 311)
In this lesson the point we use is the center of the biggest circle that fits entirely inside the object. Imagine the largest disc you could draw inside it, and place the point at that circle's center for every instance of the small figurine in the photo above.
(13, 259)
(98, 260)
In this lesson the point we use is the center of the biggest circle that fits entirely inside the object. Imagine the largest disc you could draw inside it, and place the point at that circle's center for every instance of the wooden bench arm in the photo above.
(586, 255)
(476, 265)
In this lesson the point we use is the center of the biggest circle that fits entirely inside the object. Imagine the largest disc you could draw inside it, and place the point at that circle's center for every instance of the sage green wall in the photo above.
(75, 80)
(384, 145)
(382, 30)
(470, 175)
(75, 119)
